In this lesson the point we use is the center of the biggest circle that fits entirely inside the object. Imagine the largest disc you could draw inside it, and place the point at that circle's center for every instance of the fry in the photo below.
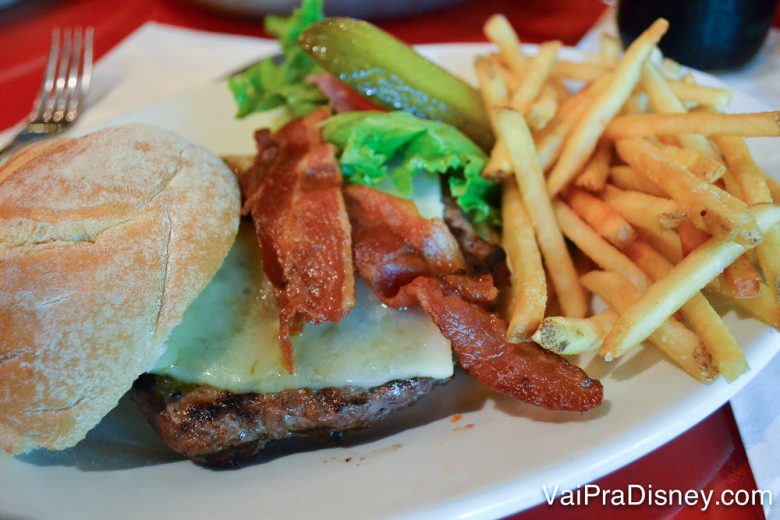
(700, 165)
(708, 207)
(500, 31)
(535, 76)
(506, 75)
(670, 69)
(513, 130)
(498, 166)
(670, 337)
(742, 279)
(714, 97)
(599, 250)
(699, 314)
(666, 296)
(494, 93)
(758, 124)
(493, 90)
(528, 290)
(594, 175)
(692, 237)
(583, 139)
(543, 109)
(609, 50)
(648, 210)
(636, 104)
(580, 71)
(574, 336)
(748, 175)
(646, 223)
(664, 101)
(627, 178)
(768, 253)
(689, 92)
(551, 139)
(763, 307)
(774, 188)
(601, 217)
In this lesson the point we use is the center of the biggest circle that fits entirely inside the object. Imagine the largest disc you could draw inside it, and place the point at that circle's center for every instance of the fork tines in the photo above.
(68, 75)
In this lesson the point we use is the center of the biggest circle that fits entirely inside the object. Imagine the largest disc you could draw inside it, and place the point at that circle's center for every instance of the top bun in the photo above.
(104, 242)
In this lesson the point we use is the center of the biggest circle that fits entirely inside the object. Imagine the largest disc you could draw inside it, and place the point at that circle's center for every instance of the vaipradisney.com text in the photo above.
(636, 494)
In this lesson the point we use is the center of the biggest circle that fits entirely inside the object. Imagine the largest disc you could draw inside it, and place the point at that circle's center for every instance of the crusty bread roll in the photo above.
(104, 242)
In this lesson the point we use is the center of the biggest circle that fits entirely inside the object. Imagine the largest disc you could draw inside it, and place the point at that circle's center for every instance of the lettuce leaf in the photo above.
(376, 146)
(269, 83)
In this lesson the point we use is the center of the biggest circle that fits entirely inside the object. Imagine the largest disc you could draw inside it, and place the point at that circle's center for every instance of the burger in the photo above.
(126, 265)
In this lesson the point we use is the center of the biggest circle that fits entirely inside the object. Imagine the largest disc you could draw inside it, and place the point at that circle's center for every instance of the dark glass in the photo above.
(705, 34)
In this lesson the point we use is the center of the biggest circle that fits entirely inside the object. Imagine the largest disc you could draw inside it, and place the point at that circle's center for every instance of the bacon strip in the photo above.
(524, 371)
(408, 260)
(293, 193)
(394, 245)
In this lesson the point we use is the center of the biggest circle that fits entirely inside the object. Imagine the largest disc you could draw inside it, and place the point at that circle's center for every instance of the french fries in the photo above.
(528, 290)
(646, 210)
(627, 178)
(594, 175)
(575, 336)
(670, 337)
(550, 141)
(713, 97)
(586, 134)
(535, 76)
(494, 93)
(702, 318)
(699, 164)
(754, 190)
(512, 129)
(758, 124)
(649, 183)
(666, 296)
(664, 101)
(708, 207)
(742, 279)
(601, 217)
(544, 108)
(609, 50)
(500, 31)
(589, 242)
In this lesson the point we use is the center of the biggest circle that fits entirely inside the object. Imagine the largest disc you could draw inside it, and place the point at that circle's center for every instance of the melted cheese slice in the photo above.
(228, 336)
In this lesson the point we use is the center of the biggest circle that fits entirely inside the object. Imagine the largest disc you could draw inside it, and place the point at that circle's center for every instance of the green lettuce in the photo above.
(376, 146)
(271, 83)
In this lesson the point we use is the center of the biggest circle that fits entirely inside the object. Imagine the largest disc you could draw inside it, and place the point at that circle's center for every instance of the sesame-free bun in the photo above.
(104, 242)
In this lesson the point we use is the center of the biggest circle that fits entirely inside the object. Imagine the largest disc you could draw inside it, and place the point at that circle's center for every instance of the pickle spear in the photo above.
(392, 75)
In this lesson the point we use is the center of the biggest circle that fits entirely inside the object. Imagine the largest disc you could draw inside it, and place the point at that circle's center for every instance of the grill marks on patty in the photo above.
(218, 428)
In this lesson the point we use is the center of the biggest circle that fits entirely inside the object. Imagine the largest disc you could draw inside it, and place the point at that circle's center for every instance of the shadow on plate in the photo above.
(122, 440)
(625, 367)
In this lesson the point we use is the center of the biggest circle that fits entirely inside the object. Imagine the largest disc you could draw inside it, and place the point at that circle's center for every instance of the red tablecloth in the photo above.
(709, 456)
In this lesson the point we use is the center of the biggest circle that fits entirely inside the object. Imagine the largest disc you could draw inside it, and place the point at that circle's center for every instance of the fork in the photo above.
(67, 79)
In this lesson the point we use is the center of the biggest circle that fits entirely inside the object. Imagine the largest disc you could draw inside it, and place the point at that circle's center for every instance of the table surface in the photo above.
(708, 456)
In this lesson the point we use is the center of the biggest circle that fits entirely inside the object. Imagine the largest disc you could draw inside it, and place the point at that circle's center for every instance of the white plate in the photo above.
(491, 462)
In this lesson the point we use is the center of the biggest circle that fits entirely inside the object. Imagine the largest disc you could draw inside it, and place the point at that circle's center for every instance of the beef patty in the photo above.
(218, 428)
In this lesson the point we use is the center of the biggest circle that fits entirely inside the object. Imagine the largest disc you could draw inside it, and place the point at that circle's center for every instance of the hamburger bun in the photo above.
(105, 240)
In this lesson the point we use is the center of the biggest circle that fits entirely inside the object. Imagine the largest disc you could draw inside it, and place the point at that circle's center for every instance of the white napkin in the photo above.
(757, 406)
(158, 61)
